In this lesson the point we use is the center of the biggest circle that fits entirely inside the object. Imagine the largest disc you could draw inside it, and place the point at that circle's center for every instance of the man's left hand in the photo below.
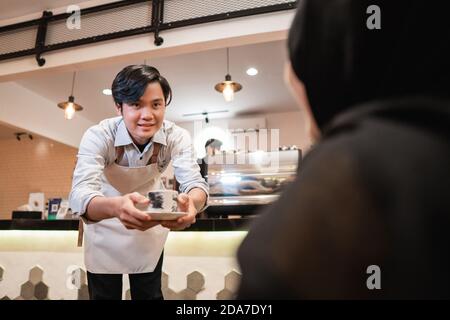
(185, 204)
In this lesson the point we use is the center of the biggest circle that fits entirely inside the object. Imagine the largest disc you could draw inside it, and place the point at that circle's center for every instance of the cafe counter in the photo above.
(40, 259)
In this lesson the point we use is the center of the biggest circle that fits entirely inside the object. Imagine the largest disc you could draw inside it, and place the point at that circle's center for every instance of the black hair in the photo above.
(130, 83)
(343, 63)
(214, 143)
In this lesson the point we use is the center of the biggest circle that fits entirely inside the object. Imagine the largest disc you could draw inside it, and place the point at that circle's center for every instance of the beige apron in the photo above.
(109, 246)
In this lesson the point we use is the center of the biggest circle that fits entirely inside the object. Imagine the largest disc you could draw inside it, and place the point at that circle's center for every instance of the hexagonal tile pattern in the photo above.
(41, 291)
(169, 294)
(36, 274)
(232, 281)
(164, 280)
(195, 281)
(82, 276)
(225, 294)
(187, 294)
(81, 280)
(27, 290)
(83, 292)
(34, 288)
(78, 277)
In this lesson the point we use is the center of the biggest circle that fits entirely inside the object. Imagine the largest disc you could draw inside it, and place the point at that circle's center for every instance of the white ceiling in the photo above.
(192, 77)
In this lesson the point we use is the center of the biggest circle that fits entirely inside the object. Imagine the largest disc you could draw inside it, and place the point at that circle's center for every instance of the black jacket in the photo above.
(374, 191)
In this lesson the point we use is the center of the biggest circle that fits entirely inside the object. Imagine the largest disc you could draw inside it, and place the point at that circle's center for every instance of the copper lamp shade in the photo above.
(228, 87)
(65, 104)
(221, 86)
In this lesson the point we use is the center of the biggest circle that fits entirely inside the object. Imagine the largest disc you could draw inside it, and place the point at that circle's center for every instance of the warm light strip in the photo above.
(204, 243)
(187, 243)
(39, 240)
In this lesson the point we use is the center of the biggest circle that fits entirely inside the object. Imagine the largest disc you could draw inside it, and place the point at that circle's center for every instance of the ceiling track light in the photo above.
(20, 134)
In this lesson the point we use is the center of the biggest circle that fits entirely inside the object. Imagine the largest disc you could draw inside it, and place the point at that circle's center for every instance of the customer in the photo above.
(119, 161)
(212, 147)
(375, 188)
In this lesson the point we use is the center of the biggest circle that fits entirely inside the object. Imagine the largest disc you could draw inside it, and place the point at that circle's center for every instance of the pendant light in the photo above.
(228, 87)
(70, 106)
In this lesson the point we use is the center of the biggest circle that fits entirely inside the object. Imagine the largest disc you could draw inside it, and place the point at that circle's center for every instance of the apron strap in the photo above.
(157, 146)
(119, 154)
(154, 157)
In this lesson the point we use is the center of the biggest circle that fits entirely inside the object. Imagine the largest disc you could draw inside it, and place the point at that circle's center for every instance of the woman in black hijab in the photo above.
(369, 214)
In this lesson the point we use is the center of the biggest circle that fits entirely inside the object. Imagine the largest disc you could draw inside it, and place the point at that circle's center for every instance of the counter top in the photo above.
(207, 224)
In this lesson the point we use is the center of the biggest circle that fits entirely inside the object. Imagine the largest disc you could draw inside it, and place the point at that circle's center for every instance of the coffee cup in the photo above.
(162, 201)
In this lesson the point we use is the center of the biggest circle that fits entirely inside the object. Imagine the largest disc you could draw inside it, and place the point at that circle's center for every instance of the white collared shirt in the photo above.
(97, 150)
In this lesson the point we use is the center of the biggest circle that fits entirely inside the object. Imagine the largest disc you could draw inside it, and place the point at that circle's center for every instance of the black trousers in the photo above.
(143, 286)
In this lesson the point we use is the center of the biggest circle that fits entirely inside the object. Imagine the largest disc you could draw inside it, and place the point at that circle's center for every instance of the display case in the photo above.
(241, 183)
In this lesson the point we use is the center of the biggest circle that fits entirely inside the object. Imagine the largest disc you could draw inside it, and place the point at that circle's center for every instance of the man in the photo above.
(212, 147)
(368, 216)
(119, 161)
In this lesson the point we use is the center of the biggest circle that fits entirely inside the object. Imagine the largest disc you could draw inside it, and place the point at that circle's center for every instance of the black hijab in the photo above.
(342, 63)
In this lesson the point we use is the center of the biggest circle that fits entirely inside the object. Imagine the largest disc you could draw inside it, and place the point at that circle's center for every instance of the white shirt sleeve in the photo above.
(91, 161)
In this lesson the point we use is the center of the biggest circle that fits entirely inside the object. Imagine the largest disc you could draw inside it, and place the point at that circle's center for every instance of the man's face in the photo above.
(209, 151)
(144, 118)
(212, 151)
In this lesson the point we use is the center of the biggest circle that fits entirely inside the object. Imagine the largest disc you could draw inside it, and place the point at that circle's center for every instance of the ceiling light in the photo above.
(252, 71)
(70, 106)
(107, 92)
(228, 87)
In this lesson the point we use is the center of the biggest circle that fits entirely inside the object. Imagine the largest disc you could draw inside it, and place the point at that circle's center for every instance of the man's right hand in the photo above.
(130, 216)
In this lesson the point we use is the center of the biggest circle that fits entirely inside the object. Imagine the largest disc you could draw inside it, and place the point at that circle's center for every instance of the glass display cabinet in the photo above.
(242, 183)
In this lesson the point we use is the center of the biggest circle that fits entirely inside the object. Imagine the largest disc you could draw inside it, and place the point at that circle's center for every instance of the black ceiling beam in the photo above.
(228, 15)
(40, 37)
(156, 25)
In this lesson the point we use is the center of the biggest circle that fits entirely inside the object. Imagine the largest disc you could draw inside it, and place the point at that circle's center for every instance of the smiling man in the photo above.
(119, 160)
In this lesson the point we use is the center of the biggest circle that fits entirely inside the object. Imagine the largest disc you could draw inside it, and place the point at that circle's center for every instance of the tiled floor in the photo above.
(36, 289)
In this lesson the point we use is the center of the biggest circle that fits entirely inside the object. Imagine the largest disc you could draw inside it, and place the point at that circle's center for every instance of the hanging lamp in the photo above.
(70, 107)
(228, 87)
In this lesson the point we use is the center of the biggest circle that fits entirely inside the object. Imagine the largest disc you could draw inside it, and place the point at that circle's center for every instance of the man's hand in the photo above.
(130, 216)
(185, 204)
